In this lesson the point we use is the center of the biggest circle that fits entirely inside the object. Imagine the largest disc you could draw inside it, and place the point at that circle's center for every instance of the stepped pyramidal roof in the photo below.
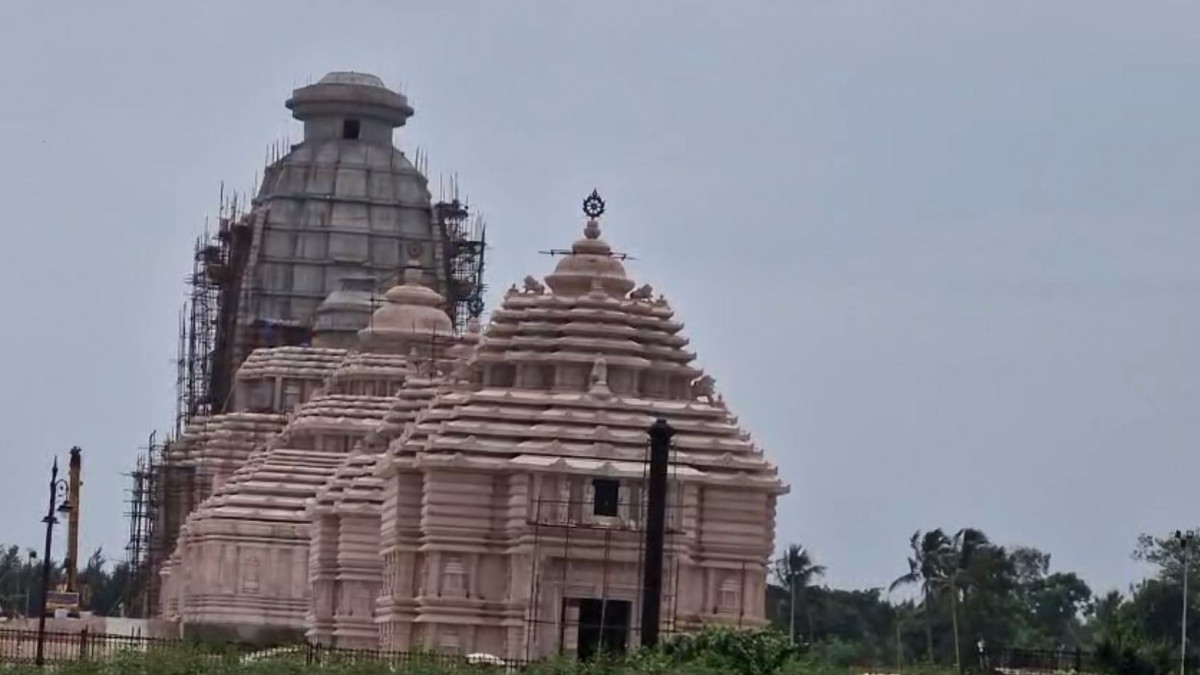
(519, 492)
(569, 375)
(271, 494)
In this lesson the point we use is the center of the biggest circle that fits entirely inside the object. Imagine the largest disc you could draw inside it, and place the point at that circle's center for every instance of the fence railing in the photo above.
(1037, 660)
(321, 654)
(20, 647)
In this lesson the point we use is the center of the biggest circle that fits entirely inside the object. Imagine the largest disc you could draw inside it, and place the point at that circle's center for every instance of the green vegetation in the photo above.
(963, 589)
(952, 591)
(103, 587)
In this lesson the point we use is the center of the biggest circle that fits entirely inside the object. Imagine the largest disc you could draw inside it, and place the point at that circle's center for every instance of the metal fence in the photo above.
(20, 647)
(1037, 661)
(322, 655)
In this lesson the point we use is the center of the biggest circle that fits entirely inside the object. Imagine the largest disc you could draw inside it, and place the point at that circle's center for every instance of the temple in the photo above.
(335, 220)
(514, 507)
(406, 479)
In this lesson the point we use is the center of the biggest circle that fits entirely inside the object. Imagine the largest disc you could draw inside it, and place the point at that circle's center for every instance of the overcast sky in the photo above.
(939, 256)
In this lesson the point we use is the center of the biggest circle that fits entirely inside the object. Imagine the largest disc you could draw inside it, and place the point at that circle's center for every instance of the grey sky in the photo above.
(938, 255)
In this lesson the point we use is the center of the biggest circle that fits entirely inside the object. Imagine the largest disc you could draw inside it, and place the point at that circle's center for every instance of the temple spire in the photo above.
(590, 265)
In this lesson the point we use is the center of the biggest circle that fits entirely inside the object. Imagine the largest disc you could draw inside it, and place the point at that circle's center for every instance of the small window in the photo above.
(606, 496)
(350, 129)
(259, 395)
(502, 375)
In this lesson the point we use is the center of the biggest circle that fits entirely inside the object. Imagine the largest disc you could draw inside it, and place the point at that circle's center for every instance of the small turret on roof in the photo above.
(412, 314)
(344, 312)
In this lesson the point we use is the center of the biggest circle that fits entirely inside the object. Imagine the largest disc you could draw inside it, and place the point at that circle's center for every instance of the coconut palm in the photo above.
(953, 576)
(925, 569)
(796, 570)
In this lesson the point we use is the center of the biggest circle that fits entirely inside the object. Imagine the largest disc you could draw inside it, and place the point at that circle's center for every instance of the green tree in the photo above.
(103, 589)
(1055, 604)
(796, 571)
(1140, 631)
(861, 622)
(1166, 555)
(953, 575)
(928, 553)
(21, 579)
(1154, 605)
(1106, 617)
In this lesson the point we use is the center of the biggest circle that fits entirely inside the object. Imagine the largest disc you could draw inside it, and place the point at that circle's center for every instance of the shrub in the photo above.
(734, 651)
(1133, 657)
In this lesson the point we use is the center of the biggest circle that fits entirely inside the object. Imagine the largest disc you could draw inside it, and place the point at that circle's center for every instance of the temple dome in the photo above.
(344, 312)
(410, 310)
(590, 266)
(341, 94)
(351, 77)
(343, 199)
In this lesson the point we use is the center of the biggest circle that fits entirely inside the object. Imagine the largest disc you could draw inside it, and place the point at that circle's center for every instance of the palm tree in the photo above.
(925, 566)
(796, 570)
(953, 574)
(92, 578)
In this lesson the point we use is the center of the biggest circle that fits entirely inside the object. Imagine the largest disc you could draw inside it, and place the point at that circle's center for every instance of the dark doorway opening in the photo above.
(351, 129)
(603, 627)
(607, 496)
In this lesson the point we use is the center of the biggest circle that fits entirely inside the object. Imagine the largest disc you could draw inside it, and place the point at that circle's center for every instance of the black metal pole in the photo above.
(49, 520)
(656, 511)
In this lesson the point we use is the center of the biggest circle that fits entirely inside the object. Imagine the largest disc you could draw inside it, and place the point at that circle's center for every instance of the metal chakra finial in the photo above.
(593, 206)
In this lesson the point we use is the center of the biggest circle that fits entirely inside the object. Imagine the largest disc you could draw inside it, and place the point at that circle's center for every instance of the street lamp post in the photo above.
(1184, 538)
(59, 501)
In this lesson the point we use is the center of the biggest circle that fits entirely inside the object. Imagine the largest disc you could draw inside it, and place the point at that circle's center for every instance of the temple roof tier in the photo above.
(290, 362)
(602, 362)
(354, 482)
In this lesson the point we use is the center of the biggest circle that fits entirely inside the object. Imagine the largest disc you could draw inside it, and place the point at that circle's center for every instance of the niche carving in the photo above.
(250, 576)
(454, 577)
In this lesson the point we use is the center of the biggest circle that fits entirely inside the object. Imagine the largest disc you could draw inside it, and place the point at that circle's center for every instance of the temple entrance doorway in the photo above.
(603, 627)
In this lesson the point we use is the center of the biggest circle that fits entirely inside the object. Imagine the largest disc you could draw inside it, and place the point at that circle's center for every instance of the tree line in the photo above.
(102, 587)
(963, 592)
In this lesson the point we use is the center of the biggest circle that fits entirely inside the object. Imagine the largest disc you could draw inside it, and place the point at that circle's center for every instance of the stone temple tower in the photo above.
(342, 204)
(293, 274)
(344, 201)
